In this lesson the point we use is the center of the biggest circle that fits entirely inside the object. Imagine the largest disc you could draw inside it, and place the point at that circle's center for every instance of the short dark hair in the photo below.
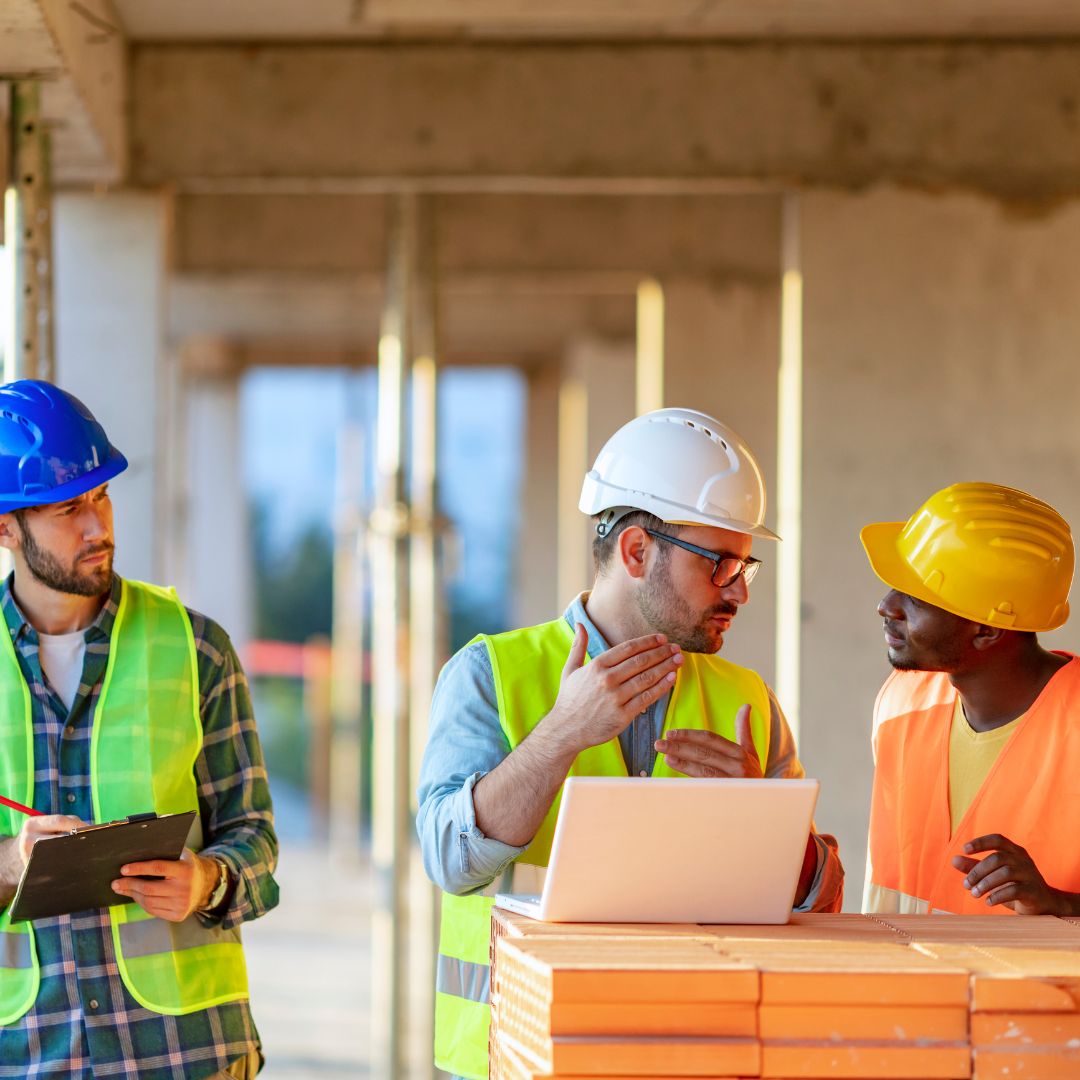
(604, 547)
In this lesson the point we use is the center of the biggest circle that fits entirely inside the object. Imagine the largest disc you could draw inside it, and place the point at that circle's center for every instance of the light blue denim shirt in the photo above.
(466, 741)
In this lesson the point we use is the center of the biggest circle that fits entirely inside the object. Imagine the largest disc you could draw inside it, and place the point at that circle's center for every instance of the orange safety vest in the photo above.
(1031, 795)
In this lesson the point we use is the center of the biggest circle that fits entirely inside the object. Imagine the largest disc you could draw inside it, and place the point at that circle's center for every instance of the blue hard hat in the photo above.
(51, 447)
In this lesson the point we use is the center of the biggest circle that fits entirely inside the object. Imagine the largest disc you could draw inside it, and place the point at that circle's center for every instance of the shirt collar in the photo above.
(576, 613)
(99, 630)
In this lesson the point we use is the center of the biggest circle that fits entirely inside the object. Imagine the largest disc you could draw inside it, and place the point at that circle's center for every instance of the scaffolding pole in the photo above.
(426, 619)
(28, 344)
(344, 765)
(389, 533)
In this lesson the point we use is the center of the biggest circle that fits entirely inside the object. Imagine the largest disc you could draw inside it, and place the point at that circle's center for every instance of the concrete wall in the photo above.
(109, 303)
(940, 339)
(721, 352)
(218, 552)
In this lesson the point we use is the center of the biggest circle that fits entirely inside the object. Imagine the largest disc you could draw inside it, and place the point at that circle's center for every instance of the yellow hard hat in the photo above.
(987, 553)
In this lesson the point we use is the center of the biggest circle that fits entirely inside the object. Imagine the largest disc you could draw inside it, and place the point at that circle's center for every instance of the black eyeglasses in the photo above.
(726, 568)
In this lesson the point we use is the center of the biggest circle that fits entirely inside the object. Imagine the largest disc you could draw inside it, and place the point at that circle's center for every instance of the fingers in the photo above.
(994, 879)
(646, 671)
(164, 868)
(707, 754)
(577, 651)
(619, 654)
(642, 700)
(992, 842)
(1007, 894)
(1007, 876)
(698, 745)
(169, 898)
(139, 888)
(743, 735)
(52, 825)
(37, 828)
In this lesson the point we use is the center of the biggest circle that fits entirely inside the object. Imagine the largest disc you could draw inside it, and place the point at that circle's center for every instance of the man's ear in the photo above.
(633, 544)
(10, 535)
(987, 637)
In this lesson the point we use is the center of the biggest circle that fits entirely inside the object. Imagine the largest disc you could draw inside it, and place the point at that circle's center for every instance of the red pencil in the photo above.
(19, 806)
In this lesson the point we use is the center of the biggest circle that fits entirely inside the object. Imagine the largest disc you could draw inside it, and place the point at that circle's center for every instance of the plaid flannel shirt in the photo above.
(84, 1023)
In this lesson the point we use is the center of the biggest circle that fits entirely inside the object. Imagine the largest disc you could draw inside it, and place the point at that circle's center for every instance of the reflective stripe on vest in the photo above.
(146, 737)
(878, 900)
(463, 979)
(1030, 795)
(16, 951)
(153, 936)
(527, 668)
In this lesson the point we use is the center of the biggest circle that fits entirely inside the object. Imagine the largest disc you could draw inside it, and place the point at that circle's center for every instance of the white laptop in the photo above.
(673, 850)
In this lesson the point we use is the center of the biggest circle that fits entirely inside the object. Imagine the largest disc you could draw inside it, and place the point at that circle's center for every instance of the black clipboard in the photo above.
(74, 871)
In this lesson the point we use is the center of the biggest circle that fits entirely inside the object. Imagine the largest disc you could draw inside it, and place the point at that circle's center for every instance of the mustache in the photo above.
(724, 608)
(95, 549)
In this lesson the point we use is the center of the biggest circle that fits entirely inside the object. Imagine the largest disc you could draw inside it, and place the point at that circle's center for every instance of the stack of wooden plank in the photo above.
(861, 1008)
(1025, 991)
(842, 995)
(506, 924)
(616, 1006)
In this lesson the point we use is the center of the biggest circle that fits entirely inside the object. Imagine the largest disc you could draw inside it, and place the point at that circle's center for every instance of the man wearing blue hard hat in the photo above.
(115, 700)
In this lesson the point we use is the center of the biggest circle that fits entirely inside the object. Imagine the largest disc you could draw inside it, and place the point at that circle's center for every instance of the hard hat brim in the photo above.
(115, 465)
(879, 540)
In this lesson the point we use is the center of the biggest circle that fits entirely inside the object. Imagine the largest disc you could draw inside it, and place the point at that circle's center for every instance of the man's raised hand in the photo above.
(599, 699)
(704, 753)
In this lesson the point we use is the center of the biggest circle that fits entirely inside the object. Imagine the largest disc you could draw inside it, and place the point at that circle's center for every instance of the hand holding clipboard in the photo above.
(74, 869)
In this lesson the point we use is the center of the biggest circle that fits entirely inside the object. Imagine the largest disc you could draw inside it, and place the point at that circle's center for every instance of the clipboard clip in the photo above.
(130, 819)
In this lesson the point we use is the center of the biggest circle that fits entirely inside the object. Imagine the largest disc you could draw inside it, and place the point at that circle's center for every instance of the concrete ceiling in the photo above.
(313, 20)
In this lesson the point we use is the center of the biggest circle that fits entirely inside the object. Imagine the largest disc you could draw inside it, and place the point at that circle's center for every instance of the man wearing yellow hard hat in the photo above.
(977, 730)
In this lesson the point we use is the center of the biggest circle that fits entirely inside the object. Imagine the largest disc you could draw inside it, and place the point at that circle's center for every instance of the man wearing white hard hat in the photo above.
(677, 500)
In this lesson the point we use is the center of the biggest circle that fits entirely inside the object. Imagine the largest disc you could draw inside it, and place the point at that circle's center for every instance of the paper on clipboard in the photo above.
(74, 871)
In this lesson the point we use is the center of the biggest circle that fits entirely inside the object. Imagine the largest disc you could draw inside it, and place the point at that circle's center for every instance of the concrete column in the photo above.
(219, 578)
(721, 354)
(110, 300)
(596, 397)
(939, 345)
(536, 562)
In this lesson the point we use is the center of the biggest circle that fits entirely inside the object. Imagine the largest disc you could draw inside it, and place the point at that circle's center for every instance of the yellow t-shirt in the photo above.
(971, 757)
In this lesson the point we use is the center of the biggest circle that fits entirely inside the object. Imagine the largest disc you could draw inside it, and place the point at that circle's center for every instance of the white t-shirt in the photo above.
(61, 657)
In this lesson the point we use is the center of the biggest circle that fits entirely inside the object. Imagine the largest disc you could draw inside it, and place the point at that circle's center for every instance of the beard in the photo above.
(49, 571)
(944, 655)
(666, 612)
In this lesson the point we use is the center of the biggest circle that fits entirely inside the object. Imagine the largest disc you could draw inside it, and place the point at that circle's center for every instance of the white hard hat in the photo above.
(683, 466)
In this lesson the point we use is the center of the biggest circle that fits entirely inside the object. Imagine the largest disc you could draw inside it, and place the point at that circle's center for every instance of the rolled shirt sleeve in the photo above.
(827, 888)
(234, 794)
(465, 742)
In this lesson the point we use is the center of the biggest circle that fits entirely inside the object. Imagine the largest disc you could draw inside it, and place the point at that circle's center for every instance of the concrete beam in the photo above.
(995, 118)
(80, 53)
(330, 319)
(701, 235)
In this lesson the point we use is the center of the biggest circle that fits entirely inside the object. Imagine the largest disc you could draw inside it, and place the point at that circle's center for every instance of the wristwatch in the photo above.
(220, 889)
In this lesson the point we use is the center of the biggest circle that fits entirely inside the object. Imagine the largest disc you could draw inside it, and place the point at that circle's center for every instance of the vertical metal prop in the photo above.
(426, 622)
(649, 374)
(346, 744)
(389, 565)
(317, 709)
(28, 348)
(789, 470)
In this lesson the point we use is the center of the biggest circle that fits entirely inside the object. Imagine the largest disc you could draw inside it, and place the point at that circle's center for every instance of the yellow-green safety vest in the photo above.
(146, 736)
(527, 667)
